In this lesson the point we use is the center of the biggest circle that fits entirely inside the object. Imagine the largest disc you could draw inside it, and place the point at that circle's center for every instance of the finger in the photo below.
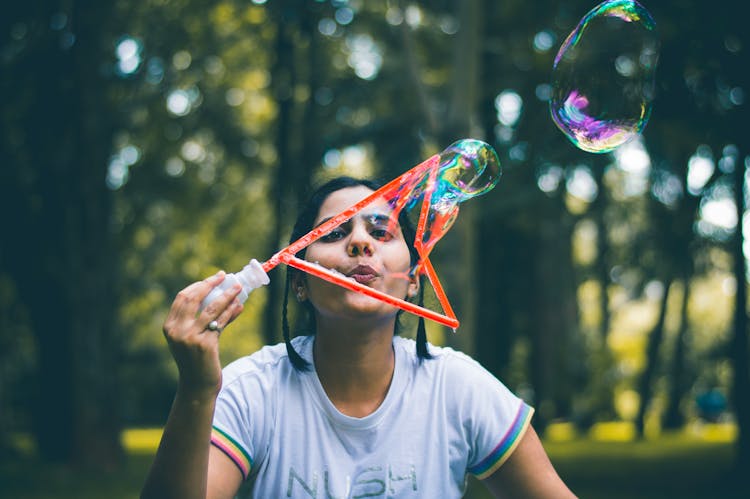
(237, 309)
(192, 293)
(222, 321)
(188, 300)
(217, 306)
(200, 289)
(184, 306)
(207, 283)
(213, 326)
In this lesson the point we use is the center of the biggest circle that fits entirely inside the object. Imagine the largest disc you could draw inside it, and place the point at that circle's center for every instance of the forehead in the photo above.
(338, 201)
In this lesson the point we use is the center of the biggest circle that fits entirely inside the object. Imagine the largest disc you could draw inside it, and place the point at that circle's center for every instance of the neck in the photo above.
(355, 363)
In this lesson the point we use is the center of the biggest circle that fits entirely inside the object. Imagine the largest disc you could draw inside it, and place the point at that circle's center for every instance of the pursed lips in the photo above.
(362, 274)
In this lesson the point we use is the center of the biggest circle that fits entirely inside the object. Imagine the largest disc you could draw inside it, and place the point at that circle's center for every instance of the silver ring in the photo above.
(213, 326)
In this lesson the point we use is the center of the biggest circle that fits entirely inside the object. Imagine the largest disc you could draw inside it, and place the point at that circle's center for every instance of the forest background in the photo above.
(145, 145)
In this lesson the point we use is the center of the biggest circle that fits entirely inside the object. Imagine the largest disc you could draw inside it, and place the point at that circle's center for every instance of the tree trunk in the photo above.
(673, 416)
(496, 330)
(599, 377)
(461, 245)
(553, 357)
(312, 148)
(283, 78)
(645, 383)
(599, 210)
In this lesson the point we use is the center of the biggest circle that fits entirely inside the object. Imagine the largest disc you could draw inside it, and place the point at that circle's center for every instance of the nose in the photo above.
(360, 242)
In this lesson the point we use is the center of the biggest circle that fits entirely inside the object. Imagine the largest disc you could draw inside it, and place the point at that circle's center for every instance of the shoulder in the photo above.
(442, 357)
(269, 361)
(446, 363)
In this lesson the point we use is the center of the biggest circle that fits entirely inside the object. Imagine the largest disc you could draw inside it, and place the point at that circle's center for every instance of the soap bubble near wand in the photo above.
(466, 169)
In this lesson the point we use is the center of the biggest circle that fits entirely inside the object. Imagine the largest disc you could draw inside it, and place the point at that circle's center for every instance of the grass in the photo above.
(605, 463)
(30, 479)
(609, 463)
(672, 466)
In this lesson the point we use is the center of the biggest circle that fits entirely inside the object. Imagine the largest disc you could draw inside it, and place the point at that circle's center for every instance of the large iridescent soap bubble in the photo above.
(603, 76)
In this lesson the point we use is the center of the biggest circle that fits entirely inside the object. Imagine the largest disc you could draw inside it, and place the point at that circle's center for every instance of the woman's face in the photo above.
(365, 249)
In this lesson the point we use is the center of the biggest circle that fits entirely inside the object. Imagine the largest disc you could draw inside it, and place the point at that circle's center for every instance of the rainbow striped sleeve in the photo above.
(233, 450)
(507, 444)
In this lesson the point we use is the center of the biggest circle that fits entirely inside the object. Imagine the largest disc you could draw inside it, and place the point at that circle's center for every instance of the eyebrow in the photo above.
(322, 222)
(377, 218)
(372, 217)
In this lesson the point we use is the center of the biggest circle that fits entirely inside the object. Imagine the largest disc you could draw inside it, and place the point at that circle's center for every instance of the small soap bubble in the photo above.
(603, 76)
(468, 168)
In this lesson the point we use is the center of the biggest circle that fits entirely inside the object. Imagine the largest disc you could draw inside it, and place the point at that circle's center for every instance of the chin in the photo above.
(366, 305)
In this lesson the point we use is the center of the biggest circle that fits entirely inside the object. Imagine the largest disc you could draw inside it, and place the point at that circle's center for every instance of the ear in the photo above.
(413, 288)
(299, 288)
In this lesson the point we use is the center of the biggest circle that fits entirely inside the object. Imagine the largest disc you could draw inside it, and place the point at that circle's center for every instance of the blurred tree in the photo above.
(57, 128)
(196, 109)
(296, 77)
(449, 113)
(740, 344)
(732, 86)
(699, 101)
(527, 283)
(284, 82)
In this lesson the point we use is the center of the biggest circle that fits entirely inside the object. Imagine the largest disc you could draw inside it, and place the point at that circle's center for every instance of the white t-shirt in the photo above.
(440, 420)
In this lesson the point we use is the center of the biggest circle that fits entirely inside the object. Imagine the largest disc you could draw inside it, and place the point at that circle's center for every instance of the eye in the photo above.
(381, 234)
(334, 235)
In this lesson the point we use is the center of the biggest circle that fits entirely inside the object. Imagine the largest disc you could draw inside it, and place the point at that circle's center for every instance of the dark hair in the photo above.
(303, 225)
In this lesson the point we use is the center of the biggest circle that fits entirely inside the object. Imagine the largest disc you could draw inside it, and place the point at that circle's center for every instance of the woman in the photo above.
(349, 410)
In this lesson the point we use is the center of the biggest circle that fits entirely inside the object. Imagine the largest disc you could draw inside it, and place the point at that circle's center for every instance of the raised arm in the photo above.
(181, 466)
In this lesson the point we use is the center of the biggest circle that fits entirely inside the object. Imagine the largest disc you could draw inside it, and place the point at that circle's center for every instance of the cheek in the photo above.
(318, 253)
(400, 258)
